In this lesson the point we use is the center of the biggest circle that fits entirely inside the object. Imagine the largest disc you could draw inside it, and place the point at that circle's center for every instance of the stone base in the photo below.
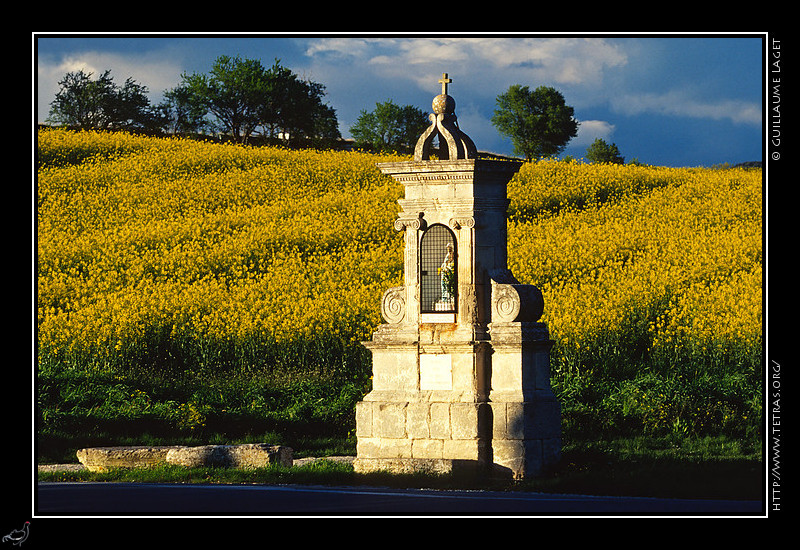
(255, 455)
(519, 459)
(419, 434)
(418, 465)
(526, 436)
(421, 420)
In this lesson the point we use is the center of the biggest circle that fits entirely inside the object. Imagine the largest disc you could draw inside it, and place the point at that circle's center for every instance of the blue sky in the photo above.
(670, 100)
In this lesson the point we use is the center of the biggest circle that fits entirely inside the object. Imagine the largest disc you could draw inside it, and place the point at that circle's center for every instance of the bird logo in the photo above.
(18, 536)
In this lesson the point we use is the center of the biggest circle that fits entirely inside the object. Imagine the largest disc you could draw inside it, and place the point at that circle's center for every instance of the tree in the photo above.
(100, 104)
(181, 113)
(130, 108)
(294, 107)
(243, 96)
(389, 127)
(539, 123)
(234, 92)
(326, 125)
(600, 151)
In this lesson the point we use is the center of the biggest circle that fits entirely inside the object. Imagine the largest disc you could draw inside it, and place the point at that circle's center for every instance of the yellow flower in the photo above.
(148, 243)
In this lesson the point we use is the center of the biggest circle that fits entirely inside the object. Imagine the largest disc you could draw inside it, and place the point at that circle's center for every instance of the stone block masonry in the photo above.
(422, 430)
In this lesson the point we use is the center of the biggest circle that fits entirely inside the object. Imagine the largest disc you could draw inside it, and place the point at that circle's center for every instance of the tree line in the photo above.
(238, 97)
(243, 99)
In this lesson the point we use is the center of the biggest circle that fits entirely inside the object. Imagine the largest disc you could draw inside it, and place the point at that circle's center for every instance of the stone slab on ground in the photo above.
(101, 459)
(251, 455)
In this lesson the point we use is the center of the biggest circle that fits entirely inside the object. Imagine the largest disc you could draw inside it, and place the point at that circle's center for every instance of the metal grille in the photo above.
(438, 269)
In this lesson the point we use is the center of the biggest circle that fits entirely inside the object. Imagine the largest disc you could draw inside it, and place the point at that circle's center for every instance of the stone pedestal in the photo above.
(461, 368)
(468, 389)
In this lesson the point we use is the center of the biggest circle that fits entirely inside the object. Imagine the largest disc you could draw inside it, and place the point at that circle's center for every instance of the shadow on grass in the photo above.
(706, 468)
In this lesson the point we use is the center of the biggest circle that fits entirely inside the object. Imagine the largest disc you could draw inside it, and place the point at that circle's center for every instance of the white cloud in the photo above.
(484, 66)
(338, 47)
(481, 68)
(490, 63)
(477, 126)
(683, 103)
(589, 130)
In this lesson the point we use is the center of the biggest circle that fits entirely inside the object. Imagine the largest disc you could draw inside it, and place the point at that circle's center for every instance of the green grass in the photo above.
(605, 450)
(311, 413)
(706, 468)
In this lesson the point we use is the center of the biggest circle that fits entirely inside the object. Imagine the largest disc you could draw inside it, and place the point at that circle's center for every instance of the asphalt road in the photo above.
(176, 500)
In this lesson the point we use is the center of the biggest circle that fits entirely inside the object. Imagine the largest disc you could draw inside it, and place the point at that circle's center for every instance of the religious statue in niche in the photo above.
(448, 277)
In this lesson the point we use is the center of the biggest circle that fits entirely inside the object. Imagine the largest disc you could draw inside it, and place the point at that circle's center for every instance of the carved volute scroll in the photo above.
(393, 305)
(516, 302)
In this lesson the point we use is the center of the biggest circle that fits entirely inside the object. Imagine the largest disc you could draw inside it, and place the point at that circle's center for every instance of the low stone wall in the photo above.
(253, 455)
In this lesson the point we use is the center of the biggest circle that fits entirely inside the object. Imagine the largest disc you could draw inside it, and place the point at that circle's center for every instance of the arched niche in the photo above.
(438, 266)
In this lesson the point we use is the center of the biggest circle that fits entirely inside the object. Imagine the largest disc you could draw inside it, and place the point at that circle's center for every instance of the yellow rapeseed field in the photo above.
(673, 254)
(216, 245)
(178, 254)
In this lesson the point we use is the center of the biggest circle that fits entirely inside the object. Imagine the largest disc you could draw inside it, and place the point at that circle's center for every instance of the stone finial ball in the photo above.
(443, 103)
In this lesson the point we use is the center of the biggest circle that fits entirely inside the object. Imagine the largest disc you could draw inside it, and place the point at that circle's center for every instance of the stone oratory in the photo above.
(461, 368)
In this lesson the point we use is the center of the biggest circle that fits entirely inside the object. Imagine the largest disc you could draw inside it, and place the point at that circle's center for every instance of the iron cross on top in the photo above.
(445, 81)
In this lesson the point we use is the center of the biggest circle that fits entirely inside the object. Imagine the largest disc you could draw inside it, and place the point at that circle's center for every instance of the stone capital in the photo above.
(417, 222)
